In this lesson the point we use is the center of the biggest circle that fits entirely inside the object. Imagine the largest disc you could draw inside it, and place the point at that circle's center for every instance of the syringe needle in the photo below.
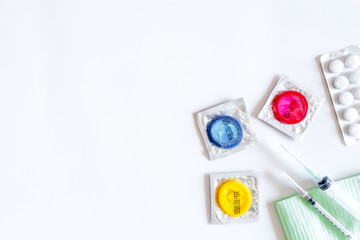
(318, 207)
(332, 189)
(313, 173)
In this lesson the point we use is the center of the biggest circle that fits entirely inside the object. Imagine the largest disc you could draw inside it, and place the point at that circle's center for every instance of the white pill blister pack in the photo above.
(341, 70)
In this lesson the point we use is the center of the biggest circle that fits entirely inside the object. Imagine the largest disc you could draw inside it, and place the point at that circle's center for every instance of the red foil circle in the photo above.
(290, 107)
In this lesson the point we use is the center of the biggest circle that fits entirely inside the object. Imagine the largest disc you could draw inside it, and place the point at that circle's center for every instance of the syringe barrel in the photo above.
(333, 190)
(333, 220)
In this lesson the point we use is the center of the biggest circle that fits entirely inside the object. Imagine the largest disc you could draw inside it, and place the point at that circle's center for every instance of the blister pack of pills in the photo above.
(225, 128)
(341, 70)
(234, 197)
(290, 108)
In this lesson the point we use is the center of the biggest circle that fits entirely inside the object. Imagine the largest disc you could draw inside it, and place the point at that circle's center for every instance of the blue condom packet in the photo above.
(225, 128)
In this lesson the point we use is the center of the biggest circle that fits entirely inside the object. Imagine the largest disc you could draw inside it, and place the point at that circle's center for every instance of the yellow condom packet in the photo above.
(234, 197)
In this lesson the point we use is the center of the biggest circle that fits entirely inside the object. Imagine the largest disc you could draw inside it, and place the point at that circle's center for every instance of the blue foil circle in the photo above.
(225, 132)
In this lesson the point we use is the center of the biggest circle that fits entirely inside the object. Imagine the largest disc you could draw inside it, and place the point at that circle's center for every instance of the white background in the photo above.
(97, 134)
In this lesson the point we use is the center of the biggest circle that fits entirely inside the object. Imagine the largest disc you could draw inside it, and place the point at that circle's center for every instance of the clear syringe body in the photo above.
(313, 202)
(333, 190)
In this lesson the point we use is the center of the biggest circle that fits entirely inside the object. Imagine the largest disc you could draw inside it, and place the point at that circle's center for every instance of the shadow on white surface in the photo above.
(263, 100)
(207, 198)
(200, 137)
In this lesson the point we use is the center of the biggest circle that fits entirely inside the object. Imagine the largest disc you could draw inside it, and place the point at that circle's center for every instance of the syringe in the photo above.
(316, 205)
(332, 189)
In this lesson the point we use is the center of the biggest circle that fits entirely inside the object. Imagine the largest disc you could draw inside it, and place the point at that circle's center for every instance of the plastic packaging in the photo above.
(341, 69)
(290, 108)
(318, 207)
(234, 197)
(225, 128)
(333, 190)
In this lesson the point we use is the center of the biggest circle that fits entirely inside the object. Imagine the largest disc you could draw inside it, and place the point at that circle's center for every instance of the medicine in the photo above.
(354, 130)
(341, 82)
(345, 95)
(225, 132)
(355, 77)
(345, 98)
(350, 114)
(336, 66)
(357, 92)
(352, 61)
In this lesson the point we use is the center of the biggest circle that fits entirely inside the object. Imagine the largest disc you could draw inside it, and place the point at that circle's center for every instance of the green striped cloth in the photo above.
(301, 221)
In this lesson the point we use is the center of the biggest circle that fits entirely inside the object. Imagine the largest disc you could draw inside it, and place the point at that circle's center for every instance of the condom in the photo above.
(234, 198)
(290, 107)
(225, 128)
(225, 132)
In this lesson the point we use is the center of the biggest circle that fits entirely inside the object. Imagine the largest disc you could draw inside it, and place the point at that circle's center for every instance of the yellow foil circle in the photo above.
(234, 198)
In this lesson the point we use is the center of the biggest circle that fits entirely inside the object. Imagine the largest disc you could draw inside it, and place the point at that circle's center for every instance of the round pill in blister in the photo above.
(352, 61)
(345, 98)
(336, 66)
(357, 92)
(354, 130)
(341, 82)
(355, 77)
(350, 114)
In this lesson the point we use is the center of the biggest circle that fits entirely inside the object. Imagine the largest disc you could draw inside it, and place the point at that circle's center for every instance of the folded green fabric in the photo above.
(301, 221)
